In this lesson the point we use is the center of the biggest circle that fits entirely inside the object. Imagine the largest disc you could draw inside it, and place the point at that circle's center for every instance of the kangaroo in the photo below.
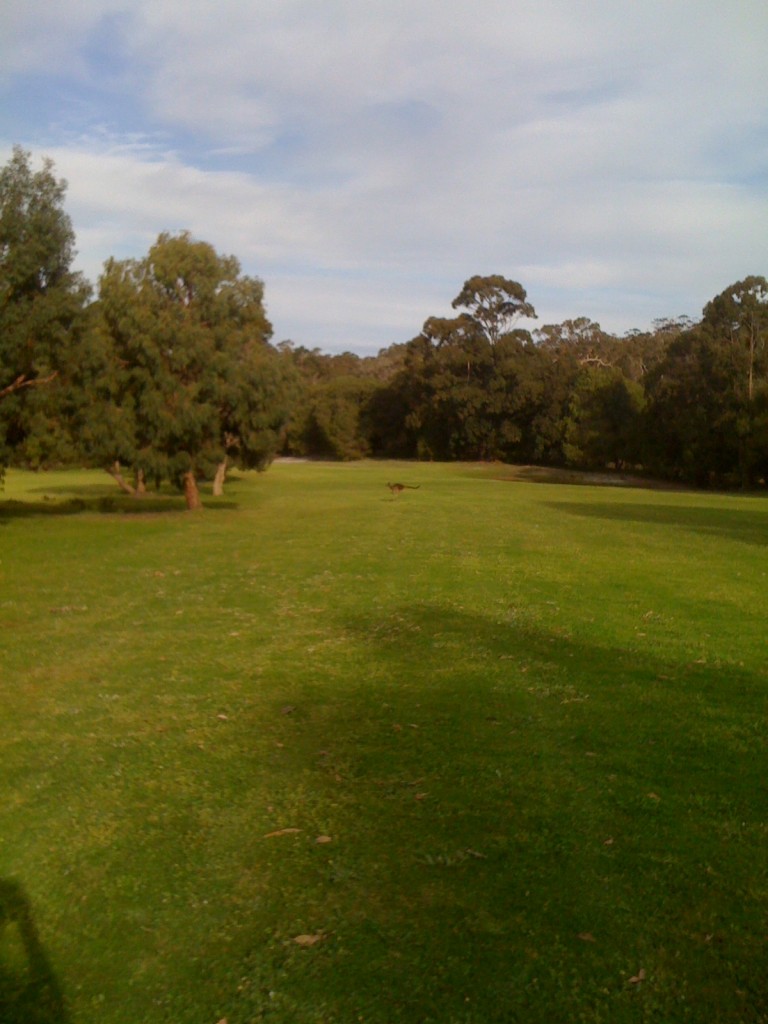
(398, 488)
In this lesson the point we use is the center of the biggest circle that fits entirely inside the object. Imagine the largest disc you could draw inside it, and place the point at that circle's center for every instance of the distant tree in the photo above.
(640, 351)
(604, 417)
(581, 338)
(551, 382)
(691, 415)
(456, 393)
(41, 305)
(737, 320)
(494, 303)
(335, 426)
(182, 367)
(740, 315)
(330, 416)
(708, 396)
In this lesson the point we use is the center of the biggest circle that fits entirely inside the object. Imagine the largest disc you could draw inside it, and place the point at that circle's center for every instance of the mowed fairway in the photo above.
(490, 751)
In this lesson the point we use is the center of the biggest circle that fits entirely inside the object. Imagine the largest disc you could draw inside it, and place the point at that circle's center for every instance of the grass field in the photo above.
(492, 751)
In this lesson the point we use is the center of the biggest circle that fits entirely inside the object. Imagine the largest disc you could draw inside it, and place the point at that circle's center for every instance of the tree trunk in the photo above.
(141, 483)
(218, 480)
(191, 492)
(122, 483)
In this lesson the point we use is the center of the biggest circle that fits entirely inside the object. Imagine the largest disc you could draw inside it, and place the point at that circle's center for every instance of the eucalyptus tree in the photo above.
(736, 321)
(41, 303)
(494, 304)
(739, 315)
(708, 396)
(185, 375)
(603, 421)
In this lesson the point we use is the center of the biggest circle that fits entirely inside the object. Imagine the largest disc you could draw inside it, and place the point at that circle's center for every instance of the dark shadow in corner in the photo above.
(29, 990)
(748, 526)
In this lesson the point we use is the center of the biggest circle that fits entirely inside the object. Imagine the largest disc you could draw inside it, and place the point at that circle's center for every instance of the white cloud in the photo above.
(364, 159)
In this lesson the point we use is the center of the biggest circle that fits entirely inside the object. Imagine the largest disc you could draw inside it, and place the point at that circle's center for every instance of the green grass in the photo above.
(530, 717)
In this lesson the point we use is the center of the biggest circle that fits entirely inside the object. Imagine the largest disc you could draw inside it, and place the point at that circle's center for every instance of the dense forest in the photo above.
(167, 372)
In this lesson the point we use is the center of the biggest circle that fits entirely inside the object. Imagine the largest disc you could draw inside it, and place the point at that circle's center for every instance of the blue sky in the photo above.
(364, 159)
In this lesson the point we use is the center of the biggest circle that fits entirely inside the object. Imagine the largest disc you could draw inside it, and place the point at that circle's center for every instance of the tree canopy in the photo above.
(494, 303)
(41, 298)
(170, 375)
(182, 368)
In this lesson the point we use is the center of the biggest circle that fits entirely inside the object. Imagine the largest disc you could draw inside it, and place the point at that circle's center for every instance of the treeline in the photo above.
(168, 372)
(685, 401)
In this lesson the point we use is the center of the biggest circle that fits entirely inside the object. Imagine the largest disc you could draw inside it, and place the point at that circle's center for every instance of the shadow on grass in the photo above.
(29, 990)
(105, 505)
(748, 526)
(586, 478)
(456, 643)
(75, 490)
(536, 787)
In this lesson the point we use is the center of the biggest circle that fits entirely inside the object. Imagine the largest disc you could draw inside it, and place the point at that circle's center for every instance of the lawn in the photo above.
(493, 750)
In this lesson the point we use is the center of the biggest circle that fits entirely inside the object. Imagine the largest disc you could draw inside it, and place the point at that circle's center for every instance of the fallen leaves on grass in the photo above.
(324, 839)
(637, 978)
(282, 832)
(308, 940)
(654, 796)
(587, 937)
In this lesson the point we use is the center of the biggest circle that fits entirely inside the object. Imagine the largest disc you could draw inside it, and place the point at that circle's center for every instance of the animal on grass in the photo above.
(399, 488)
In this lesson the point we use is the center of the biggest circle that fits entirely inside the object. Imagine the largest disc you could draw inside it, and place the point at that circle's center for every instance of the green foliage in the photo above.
(41, 304)
(539, 762)
(692, 410)
(604, 422)
(186, 376)
(335, 426)
(706, 397)
(494, 303)
(170, 373)
(330, 415)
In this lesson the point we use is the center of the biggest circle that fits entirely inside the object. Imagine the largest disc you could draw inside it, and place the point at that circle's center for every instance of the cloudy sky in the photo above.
(364, 157)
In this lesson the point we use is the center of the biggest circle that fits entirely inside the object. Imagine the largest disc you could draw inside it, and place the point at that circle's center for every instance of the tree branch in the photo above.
(24, 382)
(595, 360)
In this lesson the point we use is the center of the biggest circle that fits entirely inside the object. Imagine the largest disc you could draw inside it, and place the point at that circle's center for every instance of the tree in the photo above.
(737, 319)
(604, 416)
(336, 426)
(41, 299)
(693, 412)
(328, 417)
(182, 367)
(740, 315)
(457, 390)
(495, 303)
(257, 393)
(709, 393)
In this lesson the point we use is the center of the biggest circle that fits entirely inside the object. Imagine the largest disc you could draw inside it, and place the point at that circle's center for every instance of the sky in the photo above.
(365, 158)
